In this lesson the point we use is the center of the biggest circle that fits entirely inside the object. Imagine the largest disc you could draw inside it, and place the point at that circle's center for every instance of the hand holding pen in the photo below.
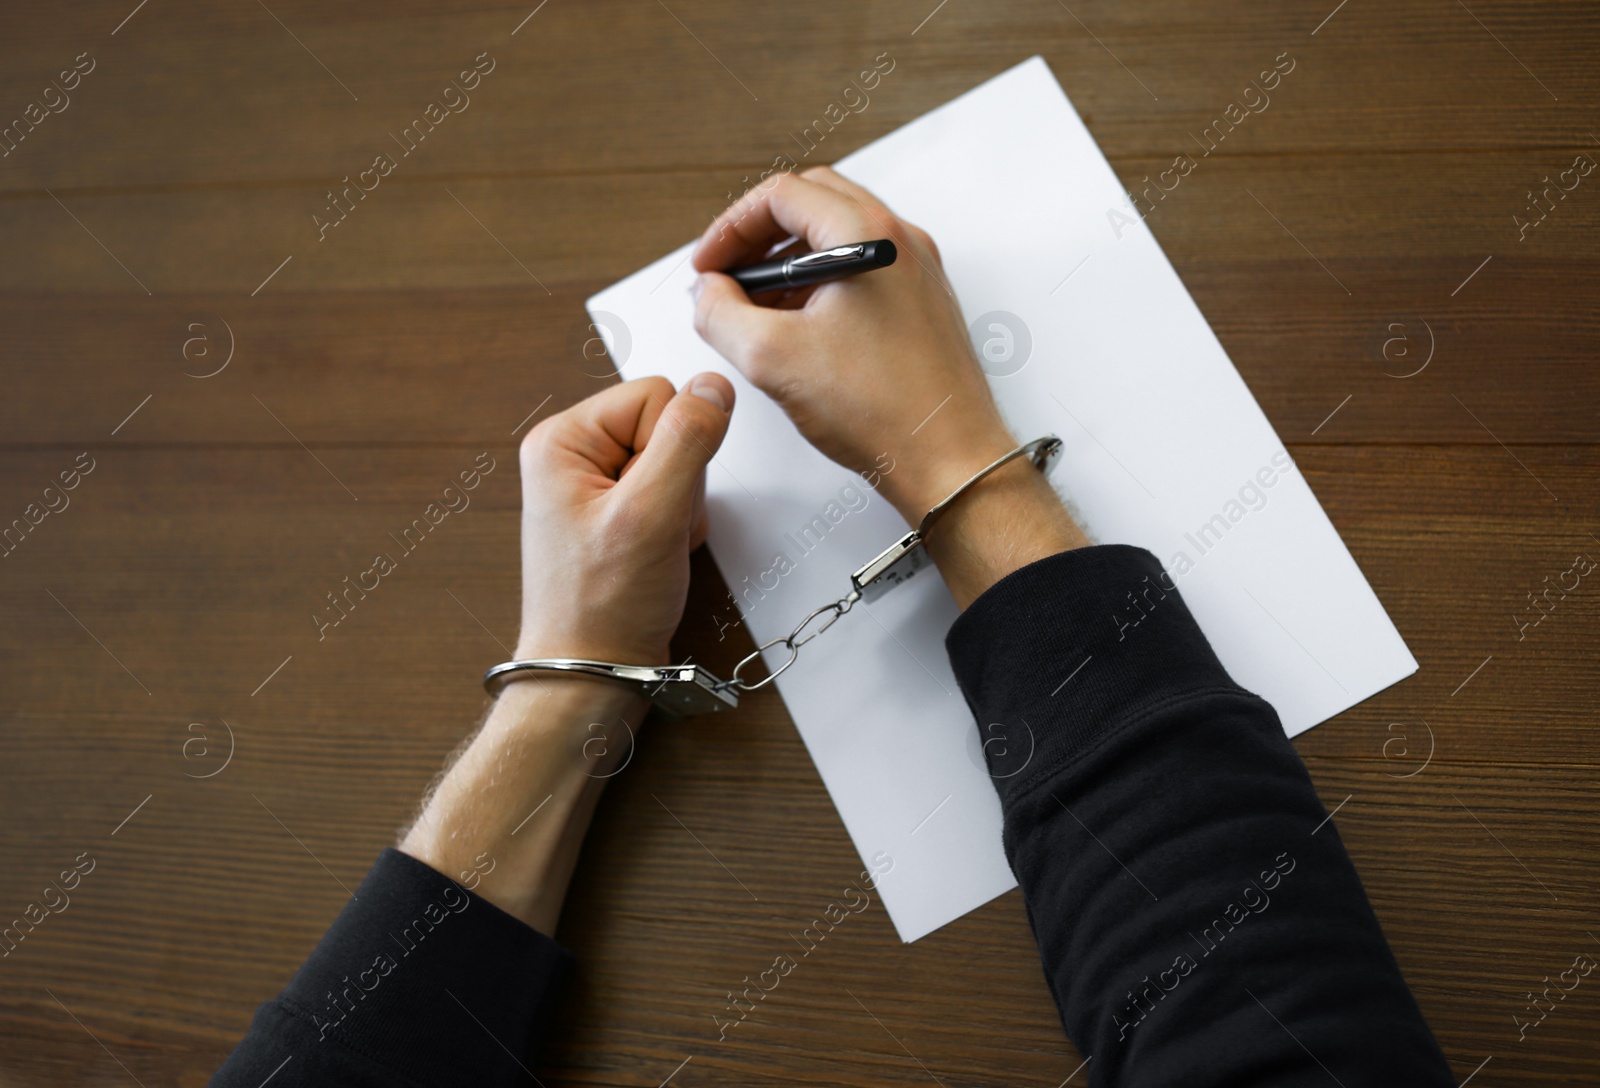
(884, 366)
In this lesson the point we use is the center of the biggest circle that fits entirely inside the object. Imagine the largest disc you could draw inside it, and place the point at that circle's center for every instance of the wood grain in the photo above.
(174, 594)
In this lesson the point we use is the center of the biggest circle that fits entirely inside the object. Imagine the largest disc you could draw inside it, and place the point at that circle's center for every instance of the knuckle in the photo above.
(623, 521)
(628, 516)
(762, 360)
(786, 182)
(909, 235)
(531, 449)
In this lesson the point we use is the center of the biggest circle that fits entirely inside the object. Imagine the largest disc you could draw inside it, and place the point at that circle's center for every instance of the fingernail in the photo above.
(707, 390)
(696, 287)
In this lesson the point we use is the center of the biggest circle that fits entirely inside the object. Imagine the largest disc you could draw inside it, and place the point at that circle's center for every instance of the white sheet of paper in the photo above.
(1161, 437)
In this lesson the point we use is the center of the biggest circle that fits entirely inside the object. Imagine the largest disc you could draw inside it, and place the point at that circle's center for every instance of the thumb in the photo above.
(726, 319)
(686, 435)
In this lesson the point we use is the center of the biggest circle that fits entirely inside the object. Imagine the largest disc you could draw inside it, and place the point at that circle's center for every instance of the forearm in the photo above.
(1183, 887)
(508, 818)
(389, 995)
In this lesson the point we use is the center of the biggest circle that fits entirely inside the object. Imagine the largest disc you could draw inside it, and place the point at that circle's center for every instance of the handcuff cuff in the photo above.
(683, 690)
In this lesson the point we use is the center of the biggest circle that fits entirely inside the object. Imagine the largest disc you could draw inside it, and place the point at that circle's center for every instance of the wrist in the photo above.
(1005, 522)
(620, 651)
(562, 714)
(951, 458)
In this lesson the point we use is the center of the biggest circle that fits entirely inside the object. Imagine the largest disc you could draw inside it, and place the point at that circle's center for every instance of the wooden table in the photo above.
(160, 228)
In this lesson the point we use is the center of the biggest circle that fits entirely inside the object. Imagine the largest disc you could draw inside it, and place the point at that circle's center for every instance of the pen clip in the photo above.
(826, 257)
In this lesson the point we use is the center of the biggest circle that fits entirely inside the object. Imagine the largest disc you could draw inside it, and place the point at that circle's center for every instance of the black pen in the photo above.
(805, 269)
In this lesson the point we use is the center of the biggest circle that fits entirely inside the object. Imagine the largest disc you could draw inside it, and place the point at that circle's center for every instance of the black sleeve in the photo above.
(1199, 919)
(418, 982)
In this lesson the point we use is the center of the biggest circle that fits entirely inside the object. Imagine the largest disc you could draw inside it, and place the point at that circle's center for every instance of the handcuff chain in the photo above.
(793, 641)
(1041, 450)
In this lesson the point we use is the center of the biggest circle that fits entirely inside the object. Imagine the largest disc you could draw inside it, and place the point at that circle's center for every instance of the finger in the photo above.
(737, 328)
(768, 214)
(792, 299)
(681, 441)
(785, 298)
(892, 225)
(598, 433)
(832, 179)
(885, 221)
(793, 248)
